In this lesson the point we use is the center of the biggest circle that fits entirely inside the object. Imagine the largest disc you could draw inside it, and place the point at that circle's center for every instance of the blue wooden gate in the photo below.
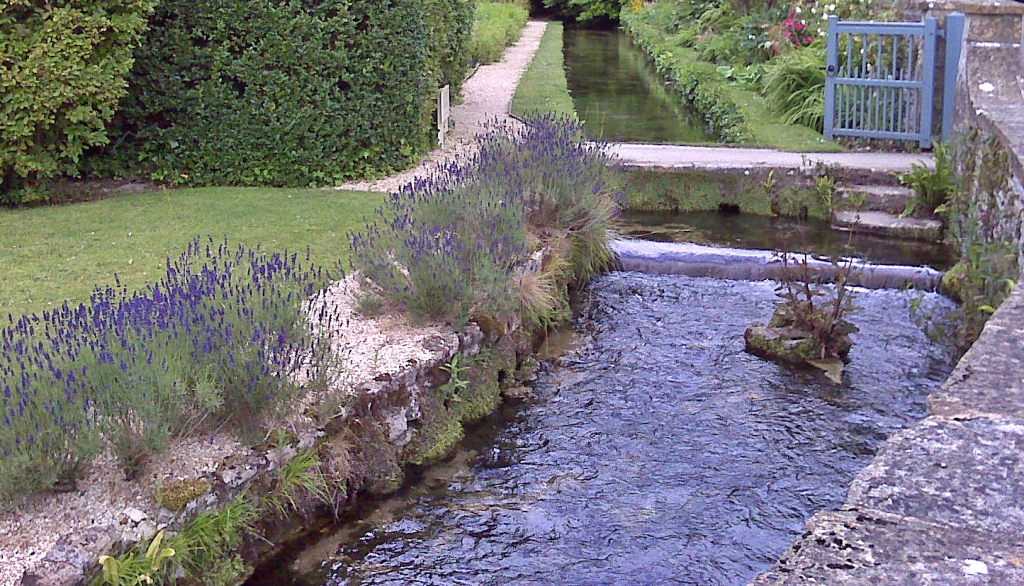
(880, 78)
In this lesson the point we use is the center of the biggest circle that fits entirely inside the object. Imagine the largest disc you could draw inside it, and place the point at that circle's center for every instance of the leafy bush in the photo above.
(794, 84)
(587, 10)
(495, 26)
(215, 342)
(244, 92)
(449, 247)
(63, 70)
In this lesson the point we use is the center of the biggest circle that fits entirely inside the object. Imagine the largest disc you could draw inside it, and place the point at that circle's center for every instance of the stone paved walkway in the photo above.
(721, 158)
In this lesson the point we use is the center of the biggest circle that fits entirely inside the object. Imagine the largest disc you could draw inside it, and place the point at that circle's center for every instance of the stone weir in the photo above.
(943, 501)
(674, 258)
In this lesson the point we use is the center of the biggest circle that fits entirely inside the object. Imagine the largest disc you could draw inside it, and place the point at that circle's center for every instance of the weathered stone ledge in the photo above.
(943, 501)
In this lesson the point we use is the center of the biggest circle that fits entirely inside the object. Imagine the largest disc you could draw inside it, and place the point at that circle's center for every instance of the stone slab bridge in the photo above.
(701, 158)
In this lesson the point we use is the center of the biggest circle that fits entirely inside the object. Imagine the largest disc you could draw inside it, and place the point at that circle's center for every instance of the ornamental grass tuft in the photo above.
(453, 245)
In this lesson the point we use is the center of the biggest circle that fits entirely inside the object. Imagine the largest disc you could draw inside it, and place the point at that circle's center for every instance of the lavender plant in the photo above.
(449, 245)
(214, 342)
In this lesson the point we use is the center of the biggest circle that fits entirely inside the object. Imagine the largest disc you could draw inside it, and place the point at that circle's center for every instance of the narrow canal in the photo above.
(619, 95)
(656, 452)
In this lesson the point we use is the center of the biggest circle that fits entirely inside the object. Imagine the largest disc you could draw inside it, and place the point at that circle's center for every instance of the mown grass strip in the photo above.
(543, 88)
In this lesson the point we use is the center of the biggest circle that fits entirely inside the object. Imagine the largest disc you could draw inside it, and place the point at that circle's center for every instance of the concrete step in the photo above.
(880, 198)
(885, 224)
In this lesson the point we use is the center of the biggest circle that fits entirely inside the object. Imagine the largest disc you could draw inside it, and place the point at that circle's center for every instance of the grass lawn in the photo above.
(543, 87)
(770, 132)
(53, 254)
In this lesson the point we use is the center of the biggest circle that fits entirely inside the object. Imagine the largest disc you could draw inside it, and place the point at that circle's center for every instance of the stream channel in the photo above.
(657, 451)
(619, 95)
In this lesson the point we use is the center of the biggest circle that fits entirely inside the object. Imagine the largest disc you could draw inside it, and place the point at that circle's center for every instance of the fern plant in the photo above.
(931, 188)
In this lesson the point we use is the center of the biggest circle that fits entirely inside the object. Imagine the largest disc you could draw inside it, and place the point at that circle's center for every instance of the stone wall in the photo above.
(943, 501)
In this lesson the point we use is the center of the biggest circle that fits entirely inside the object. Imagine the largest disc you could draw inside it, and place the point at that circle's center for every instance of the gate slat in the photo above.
(889, 91)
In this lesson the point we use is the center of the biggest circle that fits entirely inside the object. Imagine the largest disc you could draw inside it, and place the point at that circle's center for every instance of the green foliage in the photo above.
(794, 84)
(63, 69)
(134, 568)
(207, 549)
(495, 26)
(259, 92)
(932, 189)
(587, 10)
(450, 390)
(299, 476)
(982, 279)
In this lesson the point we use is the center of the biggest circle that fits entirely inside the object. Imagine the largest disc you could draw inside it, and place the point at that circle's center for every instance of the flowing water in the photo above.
(656, 452)
(619, 95)
(767, 233)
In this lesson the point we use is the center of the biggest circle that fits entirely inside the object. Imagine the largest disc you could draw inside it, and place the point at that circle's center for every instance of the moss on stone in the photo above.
(695, 191)
(177, 495)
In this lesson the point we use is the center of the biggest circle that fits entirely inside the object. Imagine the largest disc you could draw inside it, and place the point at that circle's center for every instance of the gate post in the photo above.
(954, 43)
(931, 34)
(831, 66)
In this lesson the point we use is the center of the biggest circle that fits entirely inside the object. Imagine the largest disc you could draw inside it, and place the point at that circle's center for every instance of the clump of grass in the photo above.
(794, 85)
(496, 25)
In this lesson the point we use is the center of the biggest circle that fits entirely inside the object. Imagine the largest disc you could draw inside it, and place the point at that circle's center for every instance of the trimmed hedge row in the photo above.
(699, 83)
(63, 69)
(286, 92)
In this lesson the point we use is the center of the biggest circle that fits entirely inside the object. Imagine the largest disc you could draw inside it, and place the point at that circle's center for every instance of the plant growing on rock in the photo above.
(809, 324)
(932, 189)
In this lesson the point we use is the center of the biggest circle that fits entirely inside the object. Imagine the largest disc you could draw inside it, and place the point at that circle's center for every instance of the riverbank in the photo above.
(382, 410)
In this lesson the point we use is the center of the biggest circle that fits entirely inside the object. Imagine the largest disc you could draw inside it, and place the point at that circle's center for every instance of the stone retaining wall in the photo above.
(943, 501)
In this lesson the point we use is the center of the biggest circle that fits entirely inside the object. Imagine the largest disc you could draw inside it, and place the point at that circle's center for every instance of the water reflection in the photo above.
(619, 95)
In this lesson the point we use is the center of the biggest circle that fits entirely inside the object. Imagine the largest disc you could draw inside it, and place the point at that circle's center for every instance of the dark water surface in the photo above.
(766, 233)
(658, 452)
(620, 96)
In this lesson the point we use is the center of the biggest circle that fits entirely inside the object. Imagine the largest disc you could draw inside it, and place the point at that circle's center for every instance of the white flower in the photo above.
(799, 10)
(803, 22)
(814, 10)
(832, 7)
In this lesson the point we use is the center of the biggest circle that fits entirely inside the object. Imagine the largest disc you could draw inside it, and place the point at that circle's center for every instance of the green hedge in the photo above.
(286, 92)
(699, 83)
(495, 26)
(62, 72)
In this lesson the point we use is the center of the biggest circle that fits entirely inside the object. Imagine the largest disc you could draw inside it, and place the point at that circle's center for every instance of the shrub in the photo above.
(794, 84)
(495, 26)
(449, 247)
(587, 10)
(215, 342)
(63, 70)
(244, 92)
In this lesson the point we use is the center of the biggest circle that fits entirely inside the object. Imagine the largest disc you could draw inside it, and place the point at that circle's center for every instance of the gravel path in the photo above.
(486, 96)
